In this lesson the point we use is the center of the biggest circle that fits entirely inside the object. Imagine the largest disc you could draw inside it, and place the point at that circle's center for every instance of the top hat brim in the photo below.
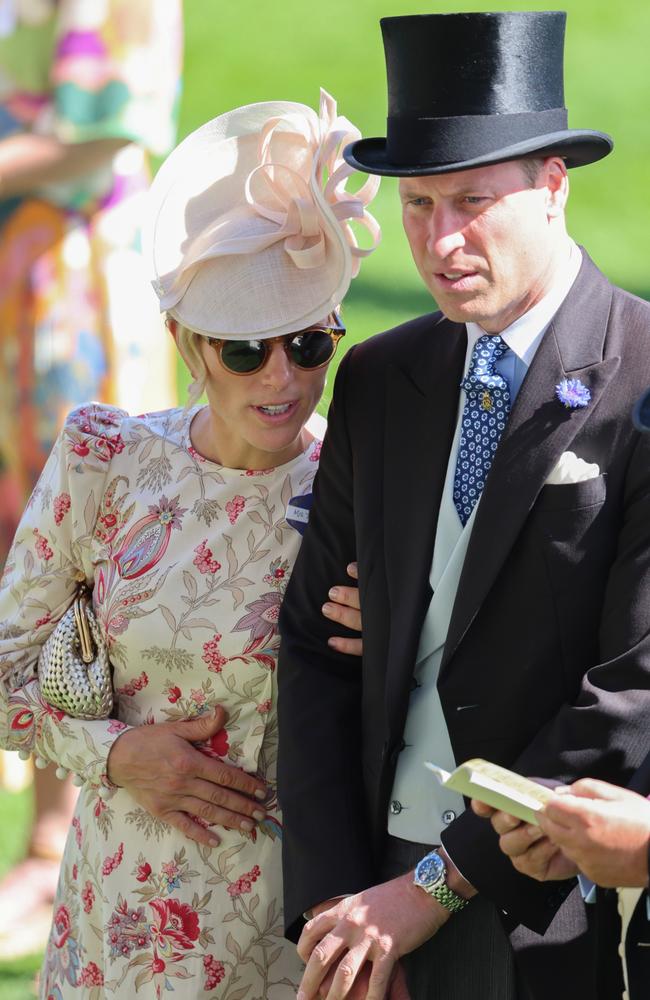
(576, 147)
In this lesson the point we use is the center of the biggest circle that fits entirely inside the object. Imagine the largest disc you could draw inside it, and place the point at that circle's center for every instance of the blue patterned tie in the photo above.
(486, 410)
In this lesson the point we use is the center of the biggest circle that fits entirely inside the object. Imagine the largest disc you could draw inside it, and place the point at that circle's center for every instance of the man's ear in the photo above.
(557, 186)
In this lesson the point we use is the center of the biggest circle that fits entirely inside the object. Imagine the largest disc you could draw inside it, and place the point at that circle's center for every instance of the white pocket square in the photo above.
(571, 469)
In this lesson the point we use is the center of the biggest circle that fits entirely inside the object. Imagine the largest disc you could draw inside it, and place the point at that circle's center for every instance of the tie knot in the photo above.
(482, 372)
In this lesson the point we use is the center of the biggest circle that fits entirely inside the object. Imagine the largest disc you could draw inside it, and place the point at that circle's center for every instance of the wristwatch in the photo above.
(431, 875)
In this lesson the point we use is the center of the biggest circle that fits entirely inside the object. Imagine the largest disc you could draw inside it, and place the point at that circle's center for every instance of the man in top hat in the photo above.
(481, 463)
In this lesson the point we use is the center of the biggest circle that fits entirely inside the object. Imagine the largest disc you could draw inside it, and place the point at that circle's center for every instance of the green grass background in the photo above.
(252, 50)
(240, 51)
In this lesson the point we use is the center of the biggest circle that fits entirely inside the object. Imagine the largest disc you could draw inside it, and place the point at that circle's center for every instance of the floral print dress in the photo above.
(188, 561)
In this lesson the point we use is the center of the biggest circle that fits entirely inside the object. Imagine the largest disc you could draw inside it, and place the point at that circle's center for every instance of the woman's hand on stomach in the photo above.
(166, 774)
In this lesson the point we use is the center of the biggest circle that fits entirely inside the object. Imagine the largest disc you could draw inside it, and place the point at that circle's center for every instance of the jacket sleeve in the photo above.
(602, 733)
(50, 555)
(325, 846)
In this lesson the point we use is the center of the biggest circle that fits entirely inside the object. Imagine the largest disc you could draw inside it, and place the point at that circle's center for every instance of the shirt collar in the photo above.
(524, 336)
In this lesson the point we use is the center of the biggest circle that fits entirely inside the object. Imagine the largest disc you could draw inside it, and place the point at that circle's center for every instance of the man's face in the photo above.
(485, 241)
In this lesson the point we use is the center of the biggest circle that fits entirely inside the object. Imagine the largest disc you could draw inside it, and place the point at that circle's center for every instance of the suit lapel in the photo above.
(538, 431)
(421, 409)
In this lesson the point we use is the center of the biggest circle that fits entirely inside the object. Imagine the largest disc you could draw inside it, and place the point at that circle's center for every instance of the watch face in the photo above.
(430, 869)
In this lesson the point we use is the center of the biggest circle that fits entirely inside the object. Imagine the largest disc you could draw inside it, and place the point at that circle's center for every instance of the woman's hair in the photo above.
(188, 343)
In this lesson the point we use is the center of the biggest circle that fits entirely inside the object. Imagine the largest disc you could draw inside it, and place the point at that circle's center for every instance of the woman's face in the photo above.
(257, 421)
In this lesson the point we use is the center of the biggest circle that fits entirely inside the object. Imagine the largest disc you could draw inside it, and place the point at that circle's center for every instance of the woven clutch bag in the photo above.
(74, 670)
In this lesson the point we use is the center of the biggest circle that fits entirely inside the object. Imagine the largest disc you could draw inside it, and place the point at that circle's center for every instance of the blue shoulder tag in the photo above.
(298, 512)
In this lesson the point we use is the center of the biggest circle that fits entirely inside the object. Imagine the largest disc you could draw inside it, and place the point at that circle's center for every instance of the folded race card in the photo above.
(496, 786)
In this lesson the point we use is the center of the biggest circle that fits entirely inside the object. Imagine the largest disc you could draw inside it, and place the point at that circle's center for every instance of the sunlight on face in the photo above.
(485, 241)
(257, 421)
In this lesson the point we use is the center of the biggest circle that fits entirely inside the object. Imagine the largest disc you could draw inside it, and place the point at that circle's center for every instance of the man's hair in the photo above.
(531, 166)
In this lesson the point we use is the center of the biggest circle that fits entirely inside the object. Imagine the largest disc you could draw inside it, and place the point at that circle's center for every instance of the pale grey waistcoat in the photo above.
(420, 808)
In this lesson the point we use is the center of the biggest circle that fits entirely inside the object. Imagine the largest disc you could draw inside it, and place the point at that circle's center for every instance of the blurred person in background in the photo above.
(186, 524)
(87, 91)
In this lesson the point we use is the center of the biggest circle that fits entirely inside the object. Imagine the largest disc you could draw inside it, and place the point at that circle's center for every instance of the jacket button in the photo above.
(396, 807)
(448, 816)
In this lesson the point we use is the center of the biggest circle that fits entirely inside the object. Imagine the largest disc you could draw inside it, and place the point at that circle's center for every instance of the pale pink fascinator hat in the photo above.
(249, 231)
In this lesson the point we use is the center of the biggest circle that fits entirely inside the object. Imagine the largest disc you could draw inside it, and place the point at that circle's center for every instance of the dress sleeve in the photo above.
(116, 71)
(50, 556)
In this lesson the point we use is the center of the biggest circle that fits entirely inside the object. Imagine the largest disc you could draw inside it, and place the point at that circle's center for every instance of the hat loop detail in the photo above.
(299, 207)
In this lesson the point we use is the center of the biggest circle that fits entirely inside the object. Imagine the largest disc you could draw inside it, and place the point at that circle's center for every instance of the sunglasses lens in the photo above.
(311, 349)
(243, 356)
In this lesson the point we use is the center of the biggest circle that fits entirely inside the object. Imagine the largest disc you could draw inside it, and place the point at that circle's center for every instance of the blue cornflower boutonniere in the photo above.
(573, 394)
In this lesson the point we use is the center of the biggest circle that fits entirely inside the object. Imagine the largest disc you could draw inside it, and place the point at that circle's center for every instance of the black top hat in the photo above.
(465, 90)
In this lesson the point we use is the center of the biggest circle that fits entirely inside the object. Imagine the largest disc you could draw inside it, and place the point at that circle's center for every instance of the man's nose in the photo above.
(445, 233)
(277, 372)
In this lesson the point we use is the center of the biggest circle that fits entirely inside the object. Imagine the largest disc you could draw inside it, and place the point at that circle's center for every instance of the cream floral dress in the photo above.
(189, 562)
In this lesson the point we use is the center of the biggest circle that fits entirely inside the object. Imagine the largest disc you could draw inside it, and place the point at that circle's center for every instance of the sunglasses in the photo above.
(308, 349)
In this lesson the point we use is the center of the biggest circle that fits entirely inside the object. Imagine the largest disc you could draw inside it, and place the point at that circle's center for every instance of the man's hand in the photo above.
(604, 829)
(397, 988)
(344, 607)
(174, 780)
(531, 852)
(375, 926)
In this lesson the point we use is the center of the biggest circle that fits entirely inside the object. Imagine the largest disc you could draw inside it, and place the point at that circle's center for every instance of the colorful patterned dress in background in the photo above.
(189, 562)
(77, 318)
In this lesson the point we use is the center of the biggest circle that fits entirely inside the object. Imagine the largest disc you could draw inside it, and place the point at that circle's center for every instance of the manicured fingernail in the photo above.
(259, 815)
(260, 794)
(247, 825)
(334, 593)
(328, 609)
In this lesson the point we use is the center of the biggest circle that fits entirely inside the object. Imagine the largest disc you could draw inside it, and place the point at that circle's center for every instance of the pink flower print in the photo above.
(146, 541)
(77, 830)
(171, 876)
(127, 930)
(175, 924)
(212, 654)
(43, 550)
(245, 883)
(61, 926)
(106, 447)
(75, 872)
(137, 684)
(197, 695)
(214, 972)
(43, 621)
(88, 897)
(203, 559)
(115, 726)
(195, 455)
(315, 455)
(99, 807)
(61, 507)
(174, 694)
(262, 621)
(91, 976)
(234, 508)
(143, 872)
(264, 707)
(80, 448)
(111, 862)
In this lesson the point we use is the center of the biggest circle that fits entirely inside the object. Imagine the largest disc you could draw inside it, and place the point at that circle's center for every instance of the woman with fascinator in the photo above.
(185, 524)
